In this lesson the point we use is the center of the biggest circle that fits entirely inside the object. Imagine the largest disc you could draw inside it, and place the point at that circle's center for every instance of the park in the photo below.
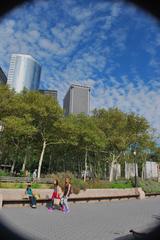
(110, 155)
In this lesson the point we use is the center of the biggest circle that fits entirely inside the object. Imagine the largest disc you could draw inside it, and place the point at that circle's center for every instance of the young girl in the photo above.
(30, 195)
(56, 196)
(67, 192)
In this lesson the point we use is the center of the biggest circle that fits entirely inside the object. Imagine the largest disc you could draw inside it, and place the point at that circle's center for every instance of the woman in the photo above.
(67, 192)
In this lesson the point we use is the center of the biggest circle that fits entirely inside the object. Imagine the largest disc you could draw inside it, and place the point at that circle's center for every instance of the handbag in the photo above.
(56, 201)
(62, 200)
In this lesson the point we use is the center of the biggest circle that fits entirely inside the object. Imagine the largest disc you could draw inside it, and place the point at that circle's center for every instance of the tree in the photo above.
(17, 131)
(45, 112)
(121, 130)
(90, 137)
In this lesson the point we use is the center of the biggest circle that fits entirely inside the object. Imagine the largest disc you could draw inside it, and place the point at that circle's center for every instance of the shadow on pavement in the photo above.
(153, 234)
(6, 233)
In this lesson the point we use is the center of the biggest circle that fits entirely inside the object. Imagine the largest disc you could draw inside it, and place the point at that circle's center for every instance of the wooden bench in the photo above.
(23, 202)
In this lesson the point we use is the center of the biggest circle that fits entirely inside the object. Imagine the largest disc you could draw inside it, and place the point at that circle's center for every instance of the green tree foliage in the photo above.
(122, 130)
(45, 112)
(37, 135)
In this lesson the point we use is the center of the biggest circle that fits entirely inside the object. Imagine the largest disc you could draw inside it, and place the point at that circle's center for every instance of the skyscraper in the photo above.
(24, 72)
(3, 78)
(77, 100)
(52, 93)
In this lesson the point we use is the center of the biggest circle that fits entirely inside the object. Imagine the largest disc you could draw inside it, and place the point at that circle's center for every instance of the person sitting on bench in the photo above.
(30, 195)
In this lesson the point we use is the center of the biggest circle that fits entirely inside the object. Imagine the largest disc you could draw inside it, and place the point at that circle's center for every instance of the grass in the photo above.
(23, 185)
(3, 173)
(105, 184)
(78, 184)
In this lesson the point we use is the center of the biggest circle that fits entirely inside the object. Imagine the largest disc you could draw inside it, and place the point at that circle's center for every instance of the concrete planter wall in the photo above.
(16, 194)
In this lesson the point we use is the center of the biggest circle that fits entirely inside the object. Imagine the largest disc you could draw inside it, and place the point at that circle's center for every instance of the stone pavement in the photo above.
(91, 221)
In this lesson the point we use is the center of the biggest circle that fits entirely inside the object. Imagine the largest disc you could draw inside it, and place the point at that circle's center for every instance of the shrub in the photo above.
(150, 186)
(20, 185)
(4, 173)
(36, 185)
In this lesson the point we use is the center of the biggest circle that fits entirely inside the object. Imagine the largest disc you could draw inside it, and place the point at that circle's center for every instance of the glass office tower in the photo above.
(24, 72)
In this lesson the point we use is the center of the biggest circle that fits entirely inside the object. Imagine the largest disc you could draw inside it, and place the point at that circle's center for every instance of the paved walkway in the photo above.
(91, 221)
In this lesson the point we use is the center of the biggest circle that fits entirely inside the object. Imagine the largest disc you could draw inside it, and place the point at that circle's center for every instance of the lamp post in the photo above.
(133, 150)
(1, 130)
(135, 169)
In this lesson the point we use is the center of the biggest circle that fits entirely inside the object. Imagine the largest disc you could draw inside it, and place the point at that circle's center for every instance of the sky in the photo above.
(111, 47)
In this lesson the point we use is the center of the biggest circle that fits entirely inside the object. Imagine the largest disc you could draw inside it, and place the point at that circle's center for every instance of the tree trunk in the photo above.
(114, 161)
(111, 172)
(142, 173)
(85, 165)
(111, 168)
(24, 163)
(13, 166)
(41, 159)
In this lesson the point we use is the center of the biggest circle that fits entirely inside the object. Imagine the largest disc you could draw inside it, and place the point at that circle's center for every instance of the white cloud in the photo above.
(129, 98)
(116, 9)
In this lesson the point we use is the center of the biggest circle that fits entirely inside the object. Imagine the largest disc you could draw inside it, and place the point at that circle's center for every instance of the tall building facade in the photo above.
(3, 78)
(52, 93)
(77, 100)
(24, 72)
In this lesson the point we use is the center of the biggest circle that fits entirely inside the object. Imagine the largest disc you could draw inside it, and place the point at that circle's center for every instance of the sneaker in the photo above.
(61, 209)
(50, 209)
(67, 211)
(33, 206)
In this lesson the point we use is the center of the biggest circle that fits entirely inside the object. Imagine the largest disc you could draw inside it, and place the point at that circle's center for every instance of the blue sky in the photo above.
(111, 48)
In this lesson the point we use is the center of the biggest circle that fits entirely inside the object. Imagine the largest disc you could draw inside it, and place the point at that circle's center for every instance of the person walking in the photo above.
(34, 175)
(67, 192)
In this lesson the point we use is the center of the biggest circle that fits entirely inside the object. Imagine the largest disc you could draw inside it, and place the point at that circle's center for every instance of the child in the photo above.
(67, 192)
(56, 196)
(30, 195)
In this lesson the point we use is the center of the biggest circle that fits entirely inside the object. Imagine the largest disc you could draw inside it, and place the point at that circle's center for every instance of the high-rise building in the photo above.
(52, 93)
(3, 78)
(24, 72)
(77, 100)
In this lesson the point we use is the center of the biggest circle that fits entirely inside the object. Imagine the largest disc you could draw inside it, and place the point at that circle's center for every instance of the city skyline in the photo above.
(89, 43)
